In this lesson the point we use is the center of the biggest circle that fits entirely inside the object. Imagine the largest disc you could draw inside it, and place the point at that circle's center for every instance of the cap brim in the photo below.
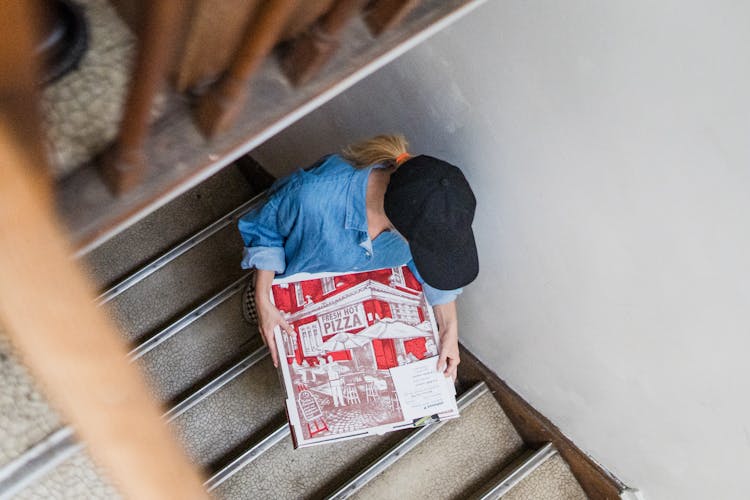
(447, 263)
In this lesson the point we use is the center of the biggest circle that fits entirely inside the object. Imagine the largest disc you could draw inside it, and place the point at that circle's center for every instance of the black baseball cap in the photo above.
(431, 204)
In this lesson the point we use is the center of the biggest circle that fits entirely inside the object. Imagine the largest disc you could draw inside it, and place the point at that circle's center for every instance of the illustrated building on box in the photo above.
(321, 308)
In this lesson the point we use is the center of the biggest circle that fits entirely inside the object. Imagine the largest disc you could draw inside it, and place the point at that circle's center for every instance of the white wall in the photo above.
(609, 146)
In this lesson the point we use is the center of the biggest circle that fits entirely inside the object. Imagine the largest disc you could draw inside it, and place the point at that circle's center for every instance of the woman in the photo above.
(372, 207)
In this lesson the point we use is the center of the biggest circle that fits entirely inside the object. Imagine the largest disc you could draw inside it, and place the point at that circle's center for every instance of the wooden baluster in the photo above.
(383, 15)
(47, 303)
(124, 164)
(309, 52)
(217, 110)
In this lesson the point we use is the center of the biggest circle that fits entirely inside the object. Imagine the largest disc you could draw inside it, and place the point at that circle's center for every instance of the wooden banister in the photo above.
(383, 15)
(124, 165)
(309, 52)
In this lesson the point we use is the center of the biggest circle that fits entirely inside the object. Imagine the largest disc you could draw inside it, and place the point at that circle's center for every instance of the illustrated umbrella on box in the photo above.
(388, 328)
(342, 341)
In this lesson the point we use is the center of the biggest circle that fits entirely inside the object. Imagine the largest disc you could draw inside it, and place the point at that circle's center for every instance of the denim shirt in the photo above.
(315, 220)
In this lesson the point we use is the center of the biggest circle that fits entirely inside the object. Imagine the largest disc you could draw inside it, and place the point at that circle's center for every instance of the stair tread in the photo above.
(168, 226)
(450, 463)
(553, 480)
(25, 415)
(285, 473)
(234, 416)
(192, 355)
(179, 286)
(75, 478)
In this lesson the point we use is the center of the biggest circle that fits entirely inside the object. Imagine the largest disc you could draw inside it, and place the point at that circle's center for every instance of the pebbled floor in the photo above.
(451, 463)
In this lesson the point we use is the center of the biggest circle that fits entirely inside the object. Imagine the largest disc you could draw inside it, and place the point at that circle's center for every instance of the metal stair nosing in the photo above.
(61, 444)
(402, 448)
(507, 479)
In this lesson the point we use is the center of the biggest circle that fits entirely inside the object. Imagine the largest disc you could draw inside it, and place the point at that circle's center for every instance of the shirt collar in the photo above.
(356, 200)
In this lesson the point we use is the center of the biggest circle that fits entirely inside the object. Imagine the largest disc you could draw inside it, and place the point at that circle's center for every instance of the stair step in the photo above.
(164, 229)
(178, 364)
(218, 335)
(234, 416)
(458, 456)
(272, 468)
(25, 416)
(552, 480)
(285, 473)
(75, 478)
(514, 473)
(180, 286)
(54, 458)
(216, 382)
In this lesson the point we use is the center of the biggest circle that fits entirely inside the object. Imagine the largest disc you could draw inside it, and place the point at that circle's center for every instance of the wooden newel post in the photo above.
(383, 15)
(309, 52)
(124, 164)
(217, 110)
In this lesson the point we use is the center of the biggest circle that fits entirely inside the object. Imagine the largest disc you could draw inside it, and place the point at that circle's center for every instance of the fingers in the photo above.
(452, 370)
(448, 365)
(442, 362)
(287, 328)
(274, 354)
(270, 342)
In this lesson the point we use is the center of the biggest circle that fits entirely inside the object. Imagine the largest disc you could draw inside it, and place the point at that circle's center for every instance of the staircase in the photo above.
(173, 283)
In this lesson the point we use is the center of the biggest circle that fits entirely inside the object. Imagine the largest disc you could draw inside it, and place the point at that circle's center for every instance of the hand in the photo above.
(269, 317)
(447, 320)
(449, 355)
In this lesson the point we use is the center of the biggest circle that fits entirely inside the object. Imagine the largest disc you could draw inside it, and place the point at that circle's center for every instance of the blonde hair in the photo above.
(388, 148)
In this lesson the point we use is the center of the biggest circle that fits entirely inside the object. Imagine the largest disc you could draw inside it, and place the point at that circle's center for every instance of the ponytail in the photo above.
(384, 149)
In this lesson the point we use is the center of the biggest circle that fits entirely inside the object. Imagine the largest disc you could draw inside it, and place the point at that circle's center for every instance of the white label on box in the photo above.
(421, 390)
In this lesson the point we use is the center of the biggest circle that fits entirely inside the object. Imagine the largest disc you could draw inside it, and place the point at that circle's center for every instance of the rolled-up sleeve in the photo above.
(265, 228)
(434, 296)
(437, 297)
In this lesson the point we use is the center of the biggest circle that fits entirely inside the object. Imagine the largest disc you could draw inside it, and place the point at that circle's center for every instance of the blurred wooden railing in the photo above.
(229, 74)
(219, 50)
